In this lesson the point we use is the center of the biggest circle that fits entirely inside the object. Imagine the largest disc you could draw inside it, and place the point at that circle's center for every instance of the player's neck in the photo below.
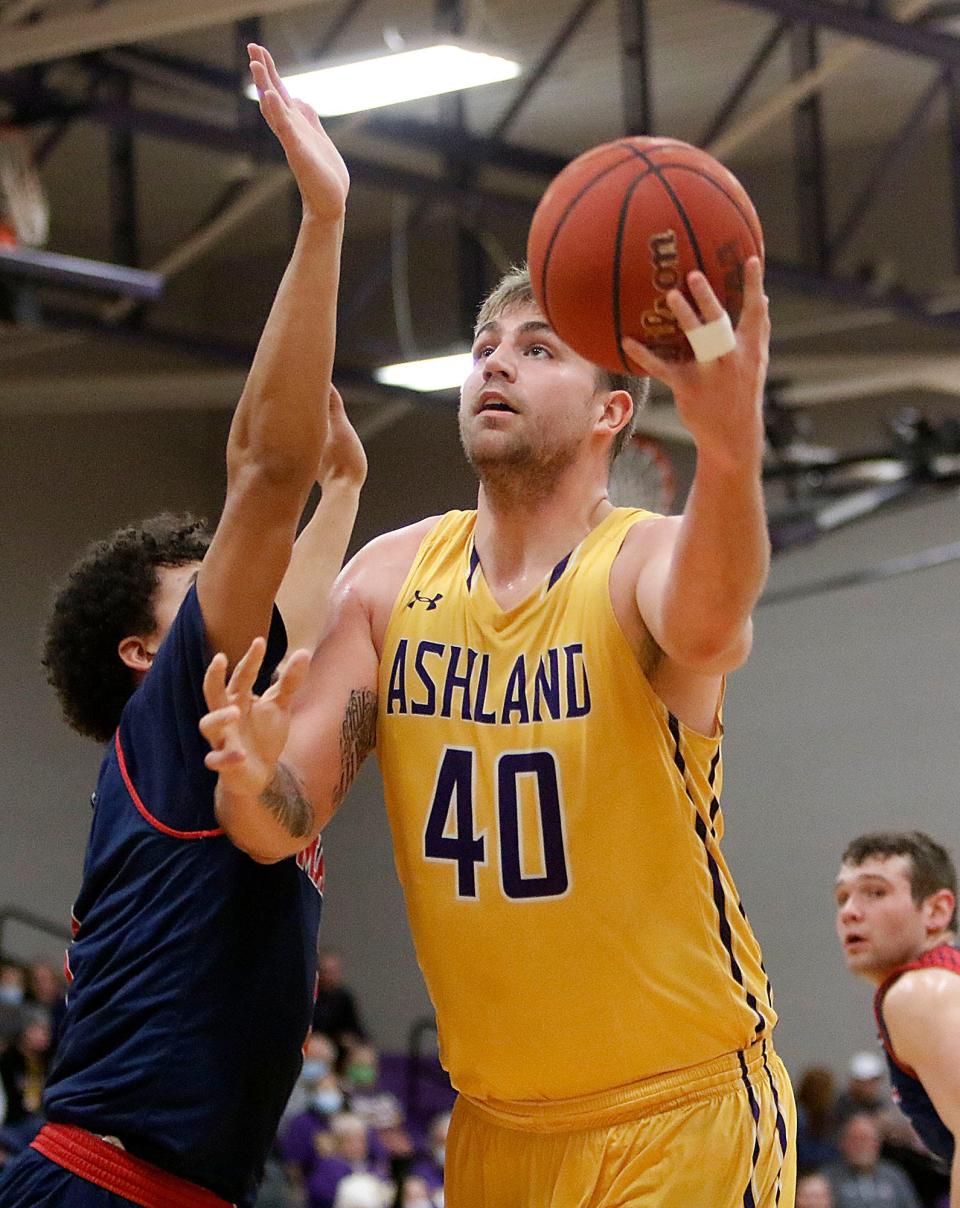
(878, 976)
(522, 538)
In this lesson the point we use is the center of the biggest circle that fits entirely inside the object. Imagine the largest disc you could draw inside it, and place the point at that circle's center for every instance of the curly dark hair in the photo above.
(107, 595)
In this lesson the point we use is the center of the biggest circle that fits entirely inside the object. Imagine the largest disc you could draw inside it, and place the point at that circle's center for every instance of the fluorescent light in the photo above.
(389, 79)
(434, 373)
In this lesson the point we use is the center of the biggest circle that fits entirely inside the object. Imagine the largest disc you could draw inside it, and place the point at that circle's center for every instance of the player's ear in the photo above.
(939, 908)
(134, 653)
(617, 410)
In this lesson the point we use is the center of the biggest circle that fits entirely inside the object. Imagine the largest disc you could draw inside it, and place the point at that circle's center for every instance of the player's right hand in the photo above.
(247, 733)
(316, 163)
(720, 402)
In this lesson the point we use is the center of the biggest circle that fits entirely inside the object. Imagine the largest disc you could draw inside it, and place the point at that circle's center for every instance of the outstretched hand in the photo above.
(316, 163)
(720, 402)
(247, 733)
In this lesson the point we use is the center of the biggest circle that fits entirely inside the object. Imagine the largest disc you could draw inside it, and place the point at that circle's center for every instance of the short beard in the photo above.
(520, 472)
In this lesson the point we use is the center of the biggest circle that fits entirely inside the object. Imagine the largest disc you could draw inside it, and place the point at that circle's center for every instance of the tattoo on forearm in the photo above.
(358, 737)
(284, 799)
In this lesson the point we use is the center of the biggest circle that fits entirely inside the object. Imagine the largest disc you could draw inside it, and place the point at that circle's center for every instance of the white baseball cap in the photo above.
(866, 1065)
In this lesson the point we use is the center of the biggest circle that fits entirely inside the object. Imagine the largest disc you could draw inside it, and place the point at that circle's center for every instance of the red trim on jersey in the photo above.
(944, 956)
(142, 809)
(115, 1170)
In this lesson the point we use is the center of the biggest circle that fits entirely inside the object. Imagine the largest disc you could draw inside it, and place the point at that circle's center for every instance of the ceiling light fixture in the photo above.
(407, 75)
(432, 374)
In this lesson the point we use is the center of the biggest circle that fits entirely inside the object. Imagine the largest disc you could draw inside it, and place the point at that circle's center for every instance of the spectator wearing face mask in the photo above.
(299, 1142)
(319, 1059)
(12, 994)
(360, 1082)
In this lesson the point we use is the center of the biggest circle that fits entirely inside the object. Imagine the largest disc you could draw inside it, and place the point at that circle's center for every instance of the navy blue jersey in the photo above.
(193, 968)
(910, 1092)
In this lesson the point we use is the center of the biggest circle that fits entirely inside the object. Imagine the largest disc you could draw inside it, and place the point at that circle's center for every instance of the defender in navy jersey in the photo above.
(897, 921)
(193, 965)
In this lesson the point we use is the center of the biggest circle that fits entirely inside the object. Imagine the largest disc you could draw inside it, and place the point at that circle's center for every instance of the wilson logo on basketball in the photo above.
(659, 322)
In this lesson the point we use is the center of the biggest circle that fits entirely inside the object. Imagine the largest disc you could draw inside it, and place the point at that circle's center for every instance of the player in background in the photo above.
(897, 920)
(542, 679)
(193, 967)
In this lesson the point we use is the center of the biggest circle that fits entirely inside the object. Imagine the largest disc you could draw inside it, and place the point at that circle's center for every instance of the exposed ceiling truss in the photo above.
(104, 47)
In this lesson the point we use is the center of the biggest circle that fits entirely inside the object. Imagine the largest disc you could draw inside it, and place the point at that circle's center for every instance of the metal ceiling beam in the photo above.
(124, 241)
(482, 206)
(809, 156)
(177, 67)
(440, 137)
(331, 35)
(239, 203)
(811, 82)
(19, 10)
(635, 67)
(448, 19)
(51, 268)
(121, 22)
(445, 139)
(858, 23)
(897, 153)
(735, 97)
(536, 75)
(39, 104)
(848, 292)
(952, 88)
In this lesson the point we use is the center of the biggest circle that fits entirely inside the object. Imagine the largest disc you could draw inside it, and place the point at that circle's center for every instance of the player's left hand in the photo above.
(344, 459)
(316, 163)
(720, 402)
(246, 732)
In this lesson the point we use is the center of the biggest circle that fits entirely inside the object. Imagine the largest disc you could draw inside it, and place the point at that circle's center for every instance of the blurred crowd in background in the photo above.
(365, 1129)
(362, 1129)
(856, 1149)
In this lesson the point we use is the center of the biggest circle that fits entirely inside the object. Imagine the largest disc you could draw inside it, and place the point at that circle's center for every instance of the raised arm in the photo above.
(280, 423)
(304, 595)
(702, 573)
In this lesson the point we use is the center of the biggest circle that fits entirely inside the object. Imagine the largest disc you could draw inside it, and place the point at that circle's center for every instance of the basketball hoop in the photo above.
(24, 212)
(643, 476)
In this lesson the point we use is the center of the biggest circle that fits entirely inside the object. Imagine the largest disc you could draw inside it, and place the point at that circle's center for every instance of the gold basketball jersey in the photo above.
(557, 835)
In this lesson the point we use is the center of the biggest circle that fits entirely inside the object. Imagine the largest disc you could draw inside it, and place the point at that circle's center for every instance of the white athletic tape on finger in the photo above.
(713, 340)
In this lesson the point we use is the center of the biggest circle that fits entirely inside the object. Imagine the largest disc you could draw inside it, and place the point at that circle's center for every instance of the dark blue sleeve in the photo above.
(161, 747)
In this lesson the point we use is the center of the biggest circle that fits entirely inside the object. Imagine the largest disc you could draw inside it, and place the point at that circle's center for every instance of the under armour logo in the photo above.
(430, 601)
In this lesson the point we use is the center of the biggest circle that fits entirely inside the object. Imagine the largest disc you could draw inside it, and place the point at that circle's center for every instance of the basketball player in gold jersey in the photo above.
(542, 679)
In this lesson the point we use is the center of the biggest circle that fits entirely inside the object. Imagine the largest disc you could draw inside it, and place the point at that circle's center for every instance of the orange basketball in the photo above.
(620, 227)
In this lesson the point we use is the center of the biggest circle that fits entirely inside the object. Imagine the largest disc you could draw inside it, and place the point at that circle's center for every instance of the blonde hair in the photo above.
(515, 289)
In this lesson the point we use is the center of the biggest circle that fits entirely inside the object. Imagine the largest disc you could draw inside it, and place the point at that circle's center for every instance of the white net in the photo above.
(24, 212)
